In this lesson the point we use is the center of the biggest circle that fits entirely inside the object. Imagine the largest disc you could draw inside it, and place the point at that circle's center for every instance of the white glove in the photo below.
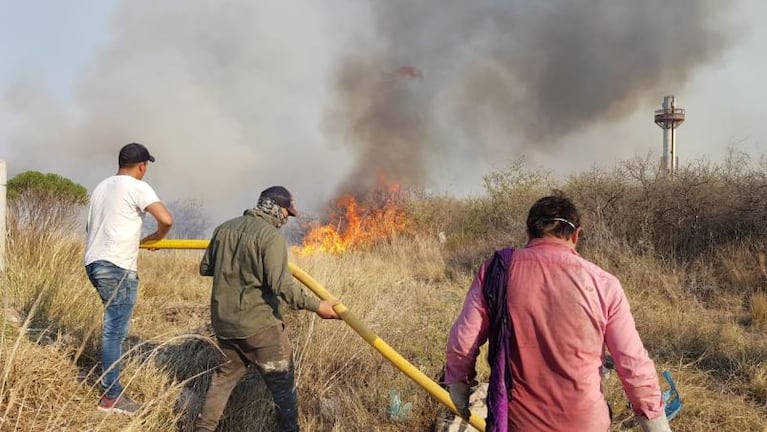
(659, 424)
(459, 394)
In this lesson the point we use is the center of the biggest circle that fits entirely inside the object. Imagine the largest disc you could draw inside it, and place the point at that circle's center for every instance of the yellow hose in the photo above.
(350, 319)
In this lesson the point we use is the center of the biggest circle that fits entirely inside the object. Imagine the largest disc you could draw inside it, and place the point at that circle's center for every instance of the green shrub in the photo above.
(44, 200)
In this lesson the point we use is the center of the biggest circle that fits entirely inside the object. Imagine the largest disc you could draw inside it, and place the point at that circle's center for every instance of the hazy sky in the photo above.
(233, 96)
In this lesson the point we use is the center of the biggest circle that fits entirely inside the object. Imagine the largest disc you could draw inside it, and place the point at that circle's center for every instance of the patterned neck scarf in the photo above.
(268, 206)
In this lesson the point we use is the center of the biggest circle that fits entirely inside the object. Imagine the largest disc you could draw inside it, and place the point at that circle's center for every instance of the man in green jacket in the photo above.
(248, 260)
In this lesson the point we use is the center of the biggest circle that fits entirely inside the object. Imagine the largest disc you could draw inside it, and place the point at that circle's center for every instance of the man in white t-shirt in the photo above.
(115, 217)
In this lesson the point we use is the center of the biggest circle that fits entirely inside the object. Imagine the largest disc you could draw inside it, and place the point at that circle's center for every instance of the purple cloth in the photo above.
(501, 340)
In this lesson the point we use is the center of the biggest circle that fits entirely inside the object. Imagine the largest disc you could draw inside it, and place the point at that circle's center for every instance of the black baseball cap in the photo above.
(282, 197)
(134, 153)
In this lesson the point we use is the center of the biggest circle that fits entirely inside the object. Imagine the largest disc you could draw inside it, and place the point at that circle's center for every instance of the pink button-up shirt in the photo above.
(564, 310)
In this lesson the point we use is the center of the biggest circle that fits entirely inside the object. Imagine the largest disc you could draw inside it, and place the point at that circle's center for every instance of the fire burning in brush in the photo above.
(356, 224)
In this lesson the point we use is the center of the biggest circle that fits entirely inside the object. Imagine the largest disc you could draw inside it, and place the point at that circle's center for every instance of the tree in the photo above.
(44, 200)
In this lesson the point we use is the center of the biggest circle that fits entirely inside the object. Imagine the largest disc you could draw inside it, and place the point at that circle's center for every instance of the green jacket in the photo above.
(248, 260)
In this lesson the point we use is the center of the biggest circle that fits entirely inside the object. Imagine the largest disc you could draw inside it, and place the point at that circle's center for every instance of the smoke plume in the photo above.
(497, 76)
(325, 97)
(227, 96)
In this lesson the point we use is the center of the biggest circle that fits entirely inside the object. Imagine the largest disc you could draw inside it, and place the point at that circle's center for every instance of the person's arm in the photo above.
(278, 277)
(632, 362)
(163, 218)
(208, 263)
(467, 334)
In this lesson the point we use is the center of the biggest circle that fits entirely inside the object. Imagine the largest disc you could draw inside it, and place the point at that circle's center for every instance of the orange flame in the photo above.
(358, 226)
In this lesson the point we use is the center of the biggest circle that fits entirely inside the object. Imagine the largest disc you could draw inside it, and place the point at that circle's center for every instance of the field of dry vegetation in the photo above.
(691, 251)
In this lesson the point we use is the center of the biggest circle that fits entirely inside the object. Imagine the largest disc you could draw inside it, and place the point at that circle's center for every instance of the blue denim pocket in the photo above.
(114, 284)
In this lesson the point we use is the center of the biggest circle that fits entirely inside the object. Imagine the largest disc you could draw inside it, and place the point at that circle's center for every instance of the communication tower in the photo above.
(669, 117)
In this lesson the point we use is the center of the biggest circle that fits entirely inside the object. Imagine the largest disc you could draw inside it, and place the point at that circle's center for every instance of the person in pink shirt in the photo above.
(550, 316)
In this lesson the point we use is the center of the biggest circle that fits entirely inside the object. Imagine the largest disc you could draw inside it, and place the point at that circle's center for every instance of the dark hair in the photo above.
(553, 215)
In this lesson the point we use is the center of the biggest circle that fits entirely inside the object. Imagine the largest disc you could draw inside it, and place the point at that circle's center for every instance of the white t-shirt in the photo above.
(115, 216)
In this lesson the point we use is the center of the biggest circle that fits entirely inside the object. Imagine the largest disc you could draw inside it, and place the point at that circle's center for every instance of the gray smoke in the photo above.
(325, 97)
(228, 96)
(500, 76)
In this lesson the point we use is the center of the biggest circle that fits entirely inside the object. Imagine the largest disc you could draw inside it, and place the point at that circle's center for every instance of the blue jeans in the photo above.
(118, 289)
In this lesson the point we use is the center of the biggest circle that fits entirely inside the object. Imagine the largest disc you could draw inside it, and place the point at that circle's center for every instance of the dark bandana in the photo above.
(268, 206)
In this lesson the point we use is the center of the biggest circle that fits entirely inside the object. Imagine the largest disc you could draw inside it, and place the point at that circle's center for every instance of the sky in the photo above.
(322, 97)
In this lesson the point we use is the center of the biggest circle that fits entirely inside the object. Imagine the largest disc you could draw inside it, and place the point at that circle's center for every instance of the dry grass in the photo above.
(400, 289)
(705, 409)
(699, 306)
(759, 310)
(44, 389)
(342, 382)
